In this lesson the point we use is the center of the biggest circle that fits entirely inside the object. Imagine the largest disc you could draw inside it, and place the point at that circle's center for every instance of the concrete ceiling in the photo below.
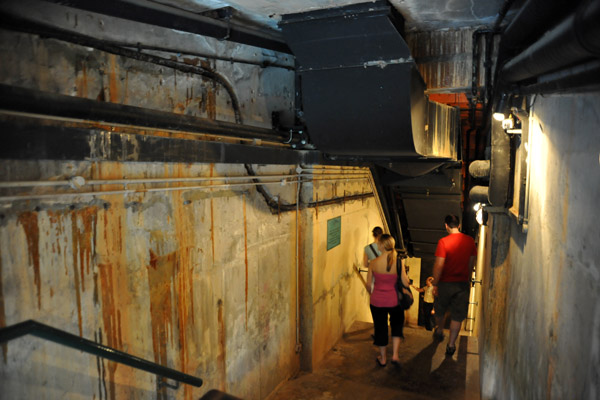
(420, 15)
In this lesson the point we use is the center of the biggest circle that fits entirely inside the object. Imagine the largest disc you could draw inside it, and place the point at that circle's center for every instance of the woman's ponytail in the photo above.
(389, 244)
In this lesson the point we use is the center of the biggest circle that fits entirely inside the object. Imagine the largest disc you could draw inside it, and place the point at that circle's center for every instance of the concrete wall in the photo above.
(202, 281)
(338, 296)
(541, 300)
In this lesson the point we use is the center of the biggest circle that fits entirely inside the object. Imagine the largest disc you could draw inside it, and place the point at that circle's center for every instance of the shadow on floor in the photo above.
(349, 370)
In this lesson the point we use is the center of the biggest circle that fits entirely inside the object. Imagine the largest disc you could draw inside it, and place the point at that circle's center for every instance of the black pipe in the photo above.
(575, 40)
(277, 206)
(35, 102)
(586, 80)
(339, 200)
(18, 24)
(35, 328)
(533, 19)
(502, 13)
(182, 20)
(488, 64)
(262, 64)
(475, 67)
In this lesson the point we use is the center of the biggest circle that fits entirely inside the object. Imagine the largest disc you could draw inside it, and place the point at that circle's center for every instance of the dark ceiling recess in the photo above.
(362, 94)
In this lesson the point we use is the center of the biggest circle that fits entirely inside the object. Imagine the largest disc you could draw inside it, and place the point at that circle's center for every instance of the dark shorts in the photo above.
(453, 296)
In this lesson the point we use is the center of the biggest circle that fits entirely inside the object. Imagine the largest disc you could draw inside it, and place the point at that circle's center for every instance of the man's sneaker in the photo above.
(450, 350)
(438, 335)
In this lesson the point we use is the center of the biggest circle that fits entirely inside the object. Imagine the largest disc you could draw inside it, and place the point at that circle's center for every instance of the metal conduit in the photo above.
(94, 182)
(163, 189)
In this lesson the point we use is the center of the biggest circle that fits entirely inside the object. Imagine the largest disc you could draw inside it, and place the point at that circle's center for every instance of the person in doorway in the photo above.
(384, 299)
(371, 250)
(454, 260)
(427, 301)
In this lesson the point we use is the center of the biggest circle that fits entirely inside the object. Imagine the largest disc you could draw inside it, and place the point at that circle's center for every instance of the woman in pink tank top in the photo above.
(384, 300)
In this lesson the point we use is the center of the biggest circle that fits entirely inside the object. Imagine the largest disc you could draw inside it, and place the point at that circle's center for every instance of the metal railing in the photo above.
(40, 330)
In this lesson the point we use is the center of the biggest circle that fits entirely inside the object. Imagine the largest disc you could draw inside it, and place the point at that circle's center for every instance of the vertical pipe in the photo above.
(474, 296)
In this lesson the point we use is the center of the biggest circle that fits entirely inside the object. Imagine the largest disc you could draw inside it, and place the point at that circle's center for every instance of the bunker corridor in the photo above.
(182, 191)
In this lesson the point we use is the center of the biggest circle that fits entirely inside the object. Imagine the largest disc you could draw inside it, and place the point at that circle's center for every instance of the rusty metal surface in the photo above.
(444, 58)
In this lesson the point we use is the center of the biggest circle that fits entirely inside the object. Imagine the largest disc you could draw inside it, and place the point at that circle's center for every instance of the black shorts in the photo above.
(453, 296)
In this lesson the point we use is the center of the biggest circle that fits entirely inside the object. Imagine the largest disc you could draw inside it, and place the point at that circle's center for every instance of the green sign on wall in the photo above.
(334, 232)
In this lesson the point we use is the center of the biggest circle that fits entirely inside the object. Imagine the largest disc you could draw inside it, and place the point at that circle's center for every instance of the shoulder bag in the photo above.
(405, 296)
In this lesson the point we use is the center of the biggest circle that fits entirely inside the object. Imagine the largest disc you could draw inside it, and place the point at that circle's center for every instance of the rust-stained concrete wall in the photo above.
(338, 297)
(202, 281)
(541, 289)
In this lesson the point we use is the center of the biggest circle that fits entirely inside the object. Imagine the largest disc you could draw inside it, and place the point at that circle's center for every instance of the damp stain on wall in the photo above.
(81, 80)
(112, 79)
(83, 229)
(183, 279)
(160, 270)
(222, 353)
(29, 222)
(111, 317)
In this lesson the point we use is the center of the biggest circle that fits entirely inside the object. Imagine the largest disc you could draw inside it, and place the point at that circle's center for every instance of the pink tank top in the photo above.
(384, 294)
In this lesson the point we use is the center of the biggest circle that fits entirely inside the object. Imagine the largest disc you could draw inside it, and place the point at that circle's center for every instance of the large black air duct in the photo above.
(362, 93)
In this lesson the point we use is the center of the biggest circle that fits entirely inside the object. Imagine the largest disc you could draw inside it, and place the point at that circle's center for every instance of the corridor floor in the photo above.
(349, 370)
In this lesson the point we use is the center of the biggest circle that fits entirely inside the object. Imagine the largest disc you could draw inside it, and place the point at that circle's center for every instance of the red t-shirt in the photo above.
(457, 249)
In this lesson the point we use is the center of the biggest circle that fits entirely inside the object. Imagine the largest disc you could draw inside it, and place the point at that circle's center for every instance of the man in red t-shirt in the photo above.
(454, 260)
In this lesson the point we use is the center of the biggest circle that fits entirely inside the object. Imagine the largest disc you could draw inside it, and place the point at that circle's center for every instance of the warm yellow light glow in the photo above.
(539, 156)
(498, 116)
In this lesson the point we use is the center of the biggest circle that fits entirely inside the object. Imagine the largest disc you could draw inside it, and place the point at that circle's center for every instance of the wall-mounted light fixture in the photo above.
(481, 216)
(501, 111)
(512, 124)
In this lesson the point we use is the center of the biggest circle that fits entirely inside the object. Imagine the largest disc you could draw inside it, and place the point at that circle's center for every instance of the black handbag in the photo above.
(405, 296)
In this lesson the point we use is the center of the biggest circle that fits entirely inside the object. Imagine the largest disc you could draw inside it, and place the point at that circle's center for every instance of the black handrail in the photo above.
(35, 328)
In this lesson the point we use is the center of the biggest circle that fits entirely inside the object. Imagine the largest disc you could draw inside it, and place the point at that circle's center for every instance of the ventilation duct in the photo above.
(362, 93)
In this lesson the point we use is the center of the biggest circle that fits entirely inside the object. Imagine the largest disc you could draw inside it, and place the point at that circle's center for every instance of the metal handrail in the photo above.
(31, 327)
